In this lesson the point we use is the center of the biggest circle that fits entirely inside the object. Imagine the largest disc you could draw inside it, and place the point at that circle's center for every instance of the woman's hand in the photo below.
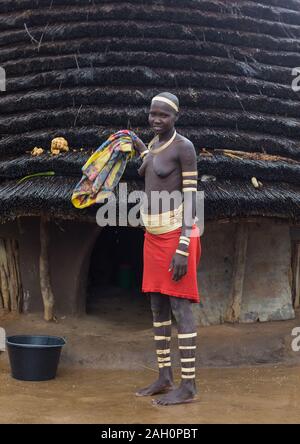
(138, 144)
(179, 265)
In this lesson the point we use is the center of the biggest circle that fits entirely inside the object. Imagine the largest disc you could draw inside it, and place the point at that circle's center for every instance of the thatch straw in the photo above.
(60, 119)
(190, 100)
(45, 195)
(171, 12)
(91, 137)
(219, 163)
(83, 70)
(223, 199)
(229, 199)
(289, 5)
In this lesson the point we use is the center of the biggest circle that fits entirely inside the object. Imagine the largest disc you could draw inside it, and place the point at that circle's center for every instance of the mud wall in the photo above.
(69, 254)
(266, 293)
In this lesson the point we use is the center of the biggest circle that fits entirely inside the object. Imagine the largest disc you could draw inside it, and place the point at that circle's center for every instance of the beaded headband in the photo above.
(168, 101)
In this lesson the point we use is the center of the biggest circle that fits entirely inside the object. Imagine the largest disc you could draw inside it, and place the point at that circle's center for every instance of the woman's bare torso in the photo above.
(162, 172)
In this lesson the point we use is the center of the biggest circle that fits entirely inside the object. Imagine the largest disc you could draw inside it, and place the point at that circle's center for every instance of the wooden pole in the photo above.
(18, 275)
(46, 290)
(296, 273)
(4, 276)
(240, 255)
(10, 278)
(1, 297)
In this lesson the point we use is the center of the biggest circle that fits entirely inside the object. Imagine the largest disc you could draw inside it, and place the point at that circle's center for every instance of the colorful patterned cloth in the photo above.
(104, 169)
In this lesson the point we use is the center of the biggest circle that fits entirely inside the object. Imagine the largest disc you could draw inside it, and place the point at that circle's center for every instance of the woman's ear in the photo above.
(176, 117)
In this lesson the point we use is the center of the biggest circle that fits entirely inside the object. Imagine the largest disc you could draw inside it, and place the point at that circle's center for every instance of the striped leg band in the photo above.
(162, 331)
(187, 347)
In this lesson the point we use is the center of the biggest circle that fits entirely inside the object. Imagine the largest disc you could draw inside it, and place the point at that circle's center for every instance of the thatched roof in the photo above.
(83, 70)
(228, 199)
(228, 190)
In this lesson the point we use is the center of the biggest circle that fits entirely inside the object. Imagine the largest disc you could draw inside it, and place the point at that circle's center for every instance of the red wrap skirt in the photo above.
(158, 252)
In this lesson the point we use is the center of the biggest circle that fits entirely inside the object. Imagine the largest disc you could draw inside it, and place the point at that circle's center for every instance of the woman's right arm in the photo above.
(138, 144)
(141, 148)
(141, 170)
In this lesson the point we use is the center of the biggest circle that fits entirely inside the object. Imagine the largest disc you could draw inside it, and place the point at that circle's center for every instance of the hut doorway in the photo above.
(115, 277)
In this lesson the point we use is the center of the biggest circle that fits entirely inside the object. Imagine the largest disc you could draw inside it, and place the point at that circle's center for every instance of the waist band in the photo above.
(163, 222)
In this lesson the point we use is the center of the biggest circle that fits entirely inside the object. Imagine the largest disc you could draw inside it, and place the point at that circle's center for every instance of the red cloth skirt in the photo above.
(158, 252)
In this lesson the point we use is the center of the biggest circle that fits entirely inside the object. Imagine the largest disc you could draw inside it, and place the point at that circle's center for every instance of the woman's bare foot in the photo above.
(186, 392)
(162, 385)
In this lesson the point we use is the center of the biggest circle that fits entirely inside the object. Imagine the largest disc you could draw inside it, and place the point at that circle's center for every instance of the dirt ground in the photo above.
(119, 337)
(240, 395)
(245, 373)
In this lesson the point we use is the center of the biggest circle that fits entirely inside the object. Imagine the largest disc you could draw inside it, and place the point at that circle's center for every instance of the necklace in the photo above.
(162, 147)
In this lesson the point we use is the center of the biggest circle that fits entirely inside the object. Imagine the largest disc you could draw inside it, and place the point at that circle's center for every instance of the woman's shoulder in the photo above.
(185, 148)
(182, 140)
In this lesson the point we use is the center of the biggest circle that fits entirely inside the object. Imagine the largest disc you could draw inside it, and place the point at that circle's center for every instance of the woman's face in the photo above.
(161, 117)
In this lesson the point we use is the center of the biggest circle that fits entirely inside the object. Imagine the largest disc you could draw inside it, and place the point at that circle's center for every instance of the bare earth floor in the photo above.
(246, 373)
(242, 395)
(123, 340)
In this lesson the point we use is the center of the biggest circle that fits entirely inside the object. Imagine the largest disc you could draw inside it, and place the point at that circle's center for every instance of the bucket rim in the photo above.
(9, 339)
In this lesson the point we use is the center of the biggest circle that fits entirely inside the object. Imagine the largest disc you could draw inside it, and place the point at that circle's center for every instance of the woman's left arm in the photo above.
(188, 163)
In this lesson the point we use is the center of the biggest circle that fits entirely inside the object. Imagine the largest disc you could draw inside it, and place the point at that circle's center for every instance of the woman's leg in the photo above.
(161, 311)
(182, 310)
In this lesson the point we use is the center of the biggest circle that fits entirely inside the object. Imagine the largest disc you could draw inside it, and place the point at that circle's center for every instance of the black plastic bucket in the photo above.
(34, 358)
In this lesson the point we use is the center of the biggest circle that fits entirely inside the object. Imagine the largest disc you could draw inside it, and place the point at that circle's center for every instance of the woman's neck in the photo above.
(166, 136)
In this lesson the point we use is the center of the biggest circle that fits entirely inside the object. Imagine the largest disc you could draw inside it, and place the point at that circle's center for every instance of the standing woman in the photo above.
(171, 248)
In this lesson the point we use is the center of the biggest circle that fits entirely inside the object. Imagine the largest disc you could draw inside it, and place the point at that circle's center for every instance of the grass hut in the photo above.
(84, 69)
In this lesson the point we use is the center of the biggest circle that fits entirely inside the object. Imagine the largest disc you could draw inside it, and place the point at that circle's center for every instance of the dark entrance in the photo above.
(115, 277)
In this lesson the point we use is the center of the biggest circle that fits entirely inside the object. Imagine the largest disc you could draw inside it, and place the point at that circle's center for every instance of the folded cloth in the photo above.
(103, 170)
(158, 252)
(163, 222)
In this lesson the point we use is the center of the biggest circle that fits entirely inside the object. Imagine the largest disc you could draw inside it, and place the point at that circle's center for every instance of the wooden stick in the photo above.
(296, 273)
(15, 275)
(19, 280)
(4, 276)
(236, 293)
(12, 278)
(1, 297)
(46, 290)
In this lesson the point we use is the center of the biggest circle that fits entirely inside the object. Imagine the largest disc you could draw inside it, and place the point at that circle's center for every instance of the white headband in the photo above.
(168, 101)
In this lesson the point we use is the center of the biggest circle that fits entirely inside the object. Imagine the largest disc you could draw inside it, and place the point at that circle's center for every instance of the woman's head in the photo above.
(163, 112)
